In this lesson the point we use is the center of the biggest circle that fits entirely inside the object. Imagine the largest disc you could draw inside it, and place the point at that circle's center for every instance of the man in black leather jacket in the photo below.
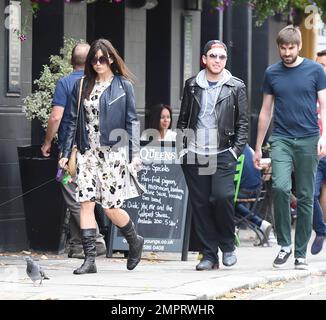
(214, 129)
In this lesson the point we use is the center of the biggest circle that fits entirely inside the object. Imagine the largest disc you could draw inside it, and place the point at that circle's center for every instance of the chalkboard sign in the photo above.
(160, 213)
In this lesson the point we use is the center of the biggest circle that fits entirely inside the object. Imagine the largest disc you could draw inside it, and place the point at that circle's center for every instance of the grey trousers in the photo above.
(69, 195)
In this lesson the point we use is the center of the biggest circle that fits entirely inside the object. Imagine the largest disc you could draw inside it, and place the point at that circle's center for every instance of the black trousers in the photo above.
(211, 192)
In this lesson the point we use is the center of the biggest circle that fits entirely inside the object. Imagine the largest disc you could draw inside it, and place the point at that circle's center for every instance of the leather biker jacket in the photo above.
(118, 123)
(232, 105)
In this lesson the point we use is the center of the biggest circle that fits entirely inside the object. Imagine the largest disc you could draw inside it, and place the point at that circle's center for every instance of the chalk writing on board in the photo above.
(159, 210)
(159, 213)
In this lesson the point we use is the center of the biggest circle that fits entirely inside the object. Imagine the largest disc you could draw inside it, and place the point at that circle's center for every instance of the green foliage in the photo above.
(266, 8)
(322, 8)
(262, 9)
(292, 8)
(38, 105)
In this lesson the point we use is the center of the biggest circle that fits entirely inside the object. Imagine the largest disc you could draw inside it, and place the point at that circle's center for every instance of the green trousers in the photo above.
(300, 155)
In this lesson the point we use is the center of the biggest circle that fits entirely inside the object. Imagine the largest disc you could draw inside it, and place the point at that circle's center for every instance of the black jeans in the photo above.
(211, 193)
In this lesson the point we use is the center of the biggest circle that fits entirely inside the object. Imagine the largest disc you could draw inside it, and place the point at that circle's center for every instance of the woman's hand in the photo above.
(136, 163)
(63, 162)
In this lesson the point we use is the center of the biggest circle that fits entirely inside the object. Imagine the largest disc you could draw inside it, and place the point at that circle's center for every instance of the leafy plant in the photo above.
(38, 105)
(262, 9)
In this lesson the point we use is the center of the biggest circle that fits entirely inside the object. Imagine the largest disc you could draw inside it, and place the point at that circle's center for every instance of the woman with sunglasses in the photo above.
(104, 128)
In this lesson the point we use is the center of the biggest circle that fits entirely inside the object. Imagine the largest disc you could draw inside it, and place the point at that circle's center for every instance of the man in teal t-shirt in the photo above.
(291, 89)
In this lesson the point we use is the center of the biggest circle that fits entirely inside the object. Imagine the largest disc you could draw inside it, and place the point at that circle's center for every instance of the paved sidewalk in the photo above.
(158, 277)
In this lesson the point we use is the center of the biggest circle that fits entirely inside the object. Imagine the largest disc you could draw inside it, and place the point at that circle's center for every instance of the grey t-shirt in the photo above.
(206, 139)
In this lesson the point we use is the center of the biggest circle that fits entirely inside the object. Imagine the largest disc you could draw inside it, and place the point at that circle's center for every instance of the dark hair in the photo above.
(117, 66)
(289, 35)
(211, 43)
(155, 115)
(78, 55)
(321, 53)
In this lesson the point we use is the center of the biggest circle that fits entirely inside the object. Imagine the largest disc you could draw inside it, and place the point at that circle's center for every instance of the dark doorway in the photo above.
(158, 55)
(209, 23)
(260, 62)
(47, 34)
(47, 40)
(106, 20)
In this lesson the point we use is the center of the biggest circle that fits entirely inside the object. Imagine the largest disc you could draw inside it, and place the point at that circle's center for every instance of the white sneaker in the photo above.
(266, 227)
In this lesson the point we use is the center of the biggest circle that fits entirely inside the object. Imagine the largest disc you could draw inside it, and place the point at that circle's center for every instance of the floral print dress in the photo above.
(103, 173)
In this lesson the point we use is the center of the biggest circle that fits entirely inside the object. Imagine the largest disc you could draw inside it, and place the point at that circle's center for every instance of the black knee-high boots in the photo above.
(135, 242)
(88, 241)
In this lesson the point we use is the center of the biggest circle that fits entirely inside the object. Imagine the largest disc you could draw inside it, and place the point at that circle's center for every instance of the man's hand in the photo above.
(321, 146)
(46, 149)
(52, 128)
(256, 159)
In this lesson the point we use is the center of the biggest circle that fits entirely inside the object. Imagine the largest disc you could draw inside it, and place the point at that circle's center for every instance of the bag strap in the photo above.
(78, 106)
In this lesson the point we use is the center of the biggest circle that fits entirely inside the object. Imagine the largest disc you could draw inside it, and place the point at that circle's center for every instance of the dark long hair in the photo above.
(155, 115)
(117, 67)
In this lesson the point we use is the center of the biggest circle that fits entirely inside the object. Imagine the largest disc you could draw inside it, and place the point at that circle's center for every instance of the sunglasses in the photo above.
(215, 55)
(101, 60)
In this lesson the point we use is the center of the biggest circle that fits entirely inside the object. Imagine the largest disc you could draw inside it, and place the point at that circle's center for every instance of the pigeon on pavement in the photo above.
(34, 271)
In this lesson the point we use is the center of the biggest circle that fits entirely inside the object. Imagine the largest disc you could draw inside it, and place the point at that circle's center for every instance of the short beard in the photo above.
(293, 60)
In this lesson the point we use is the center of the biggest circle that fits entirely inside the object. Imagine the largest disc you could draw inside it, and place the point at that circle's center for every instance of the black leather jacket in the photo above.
(118, 119)
(232, 105)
